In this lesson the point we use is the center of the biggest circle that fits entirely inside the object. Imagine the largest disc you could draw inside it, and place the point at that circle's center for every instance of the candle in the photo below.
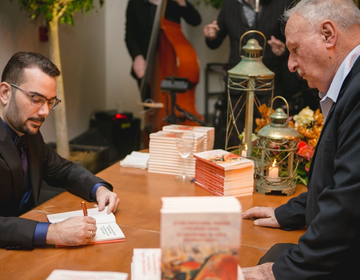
(243, 153)
(274, 173)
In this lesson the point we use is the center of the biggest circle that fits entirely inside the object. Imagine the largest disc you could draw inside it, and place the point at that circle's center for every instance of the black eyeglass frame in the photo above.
(43, 99)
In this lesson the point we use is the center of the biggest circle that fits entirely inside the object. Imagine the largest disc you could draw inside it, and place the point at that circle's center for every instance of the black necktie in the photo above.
(21, 144)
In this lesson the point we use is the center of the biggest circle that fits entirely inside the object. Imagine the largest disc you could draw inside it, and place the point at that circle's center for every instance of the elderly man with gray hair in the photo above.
(323, 37)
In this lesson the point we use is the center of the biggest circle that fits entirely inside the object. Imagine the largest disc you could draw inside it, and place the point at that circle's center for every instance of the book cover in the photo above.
(207, 131)
(107, 228)
(200, 237)
(146, 264)
(223, 160)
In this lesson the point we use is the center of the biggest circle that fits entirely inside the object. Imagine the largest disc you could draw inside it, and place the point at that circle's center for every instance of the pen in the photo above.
(83, 205)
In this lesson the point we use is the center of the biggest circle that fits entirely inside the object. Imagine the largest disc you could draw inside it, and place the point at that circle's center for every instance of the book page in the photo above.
(63, 274)
(100, 217)
(108, 232)
(107, 228)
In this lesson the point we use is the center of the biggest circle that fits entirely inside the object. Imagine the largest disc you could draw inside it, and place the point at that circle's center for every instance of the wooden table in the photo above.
(138, 215)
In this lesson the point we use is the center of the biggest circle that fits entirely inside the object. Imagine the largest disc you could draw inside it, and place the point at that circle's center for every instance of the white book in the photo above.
(200, 237)
(146, 264)
(65, 274)
(107, 228)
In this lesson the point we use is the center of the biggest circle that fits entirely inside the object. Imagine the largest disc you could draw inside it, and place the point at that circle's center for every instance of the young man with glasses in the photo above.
(27, 93)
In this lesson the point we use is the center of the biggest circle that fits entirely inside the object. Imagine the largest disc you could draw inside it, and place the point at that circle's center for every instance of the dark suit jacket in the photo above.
(44, 164)
(331, 207)
(232, 22)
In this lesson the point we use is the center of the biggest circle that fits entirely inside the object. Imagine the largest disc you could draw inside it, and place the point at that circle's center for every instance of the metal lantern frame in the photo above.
(277, 143)
(249, 76)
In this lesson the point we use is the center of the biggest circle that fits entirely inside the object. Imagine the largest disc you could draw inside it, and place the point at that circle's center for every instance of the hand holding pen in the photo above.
(84, 208)
(73, 231)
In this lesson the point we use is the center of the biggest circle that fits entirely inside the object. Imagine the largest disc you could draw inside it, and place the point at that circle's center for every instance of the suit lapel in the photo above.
(10, 155)
(354, 71)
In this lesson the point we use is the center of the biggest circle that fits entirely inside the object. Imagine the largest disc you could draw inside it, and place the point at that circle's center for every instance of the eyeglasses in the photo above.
(38, 100)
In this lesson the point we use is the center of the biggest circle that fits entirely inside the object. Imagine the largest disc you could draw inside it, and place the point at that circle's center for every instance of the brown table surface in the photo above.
(138, 215)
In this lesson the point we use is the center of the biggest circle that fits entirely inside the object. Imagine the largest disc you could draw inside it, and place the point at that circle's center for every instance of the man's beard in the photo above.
(13, 115)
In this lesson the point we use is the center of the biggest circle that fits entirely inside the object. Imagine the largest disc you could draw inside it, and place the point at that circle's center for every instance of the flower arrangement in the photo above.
(309, 124)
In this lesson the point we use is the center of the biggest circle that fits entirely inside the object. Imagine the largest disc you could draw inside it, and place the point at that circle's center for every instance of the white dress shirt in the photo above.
(330, 97)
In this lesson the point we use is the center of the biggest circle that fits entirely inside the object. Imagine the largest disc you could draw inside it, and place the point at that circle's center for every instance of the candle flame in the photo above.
(245, 147)
(274, 163)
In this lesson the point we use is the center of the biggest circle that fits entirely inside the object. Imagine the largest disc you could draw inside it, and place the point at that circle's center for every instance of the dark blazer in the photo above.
(331, 207)
(44, 164)
(232, 22)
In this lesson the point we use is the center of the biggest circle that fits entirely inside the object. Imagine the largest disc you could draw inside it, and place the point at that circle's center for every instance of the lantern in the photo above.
(275, 159)
(248, 77)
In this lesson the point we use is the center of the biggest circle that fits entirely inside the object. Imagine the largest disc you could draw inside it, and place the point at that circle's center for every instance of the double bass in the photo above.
(169, 55)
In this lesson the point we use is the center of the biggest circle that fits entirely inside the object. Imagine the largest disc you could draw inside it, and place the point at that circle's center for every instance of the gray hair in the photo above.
(344, 13)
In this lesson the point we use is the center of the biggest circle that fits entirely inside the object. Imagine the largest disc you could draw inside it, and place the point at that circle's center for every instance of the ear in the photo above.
(329, 31)
(5, 93)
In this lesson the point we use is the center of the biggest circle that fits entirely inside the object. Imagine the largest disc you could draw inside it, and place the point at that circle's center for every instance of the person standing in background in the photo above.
(140, 16)
(239, 16)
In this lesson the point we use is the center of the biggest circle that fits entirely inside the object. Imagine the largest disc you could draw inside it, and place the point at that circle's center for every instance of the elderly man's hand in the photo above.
(74, 231)
(259, 272)
(106, 197)
(265, 216)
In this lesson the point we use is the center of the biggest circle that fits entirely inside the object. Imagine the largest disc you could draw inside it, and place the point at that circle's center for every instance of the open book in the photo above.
(107, 228)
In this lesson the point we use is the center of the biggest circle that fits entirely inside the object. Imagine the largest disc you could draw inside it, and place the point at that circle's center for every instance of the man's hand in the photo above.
(261, 272)
(211, 29)
(72, 232)
(106, 197)
(139, 66)
(265, 216)
(277, 46)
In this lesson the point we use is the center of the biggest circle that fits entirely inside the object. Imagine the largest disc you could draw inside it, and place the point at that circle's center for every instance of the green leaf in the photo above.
(37, 8)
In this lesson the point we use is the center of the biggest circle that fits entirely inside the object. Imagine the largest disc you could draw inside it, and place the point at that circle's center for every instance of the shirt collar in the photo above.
(12, 133)
(342, 72)
(331, 96)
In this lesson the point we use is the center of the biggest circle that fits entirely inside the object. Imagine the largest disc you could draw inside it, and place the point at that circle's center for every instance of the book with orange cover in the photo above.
(107, 231)
(223, 173)
(200, 237)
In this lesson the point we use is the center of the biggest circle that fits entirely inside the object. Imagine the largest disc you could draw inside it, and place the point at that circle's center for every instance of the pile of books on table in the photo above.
(223, 173)
(209, 132)
(200, 237)
(164, 157)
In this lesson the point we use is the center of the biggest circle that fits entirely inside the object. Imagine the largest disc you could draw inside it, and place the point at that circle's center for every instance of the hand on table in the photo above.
(139, 66)
(106, 197)
(211, 29)
(265, 216)
(277, 46)
(260, 272)
(72, 232)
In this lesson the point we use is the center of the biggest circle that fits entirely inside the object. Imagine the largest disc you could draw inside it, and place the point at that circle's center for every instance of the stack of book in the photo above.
(208, 132)
(223, 173)
(200, 237)
(146, 264)
(164, 157)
